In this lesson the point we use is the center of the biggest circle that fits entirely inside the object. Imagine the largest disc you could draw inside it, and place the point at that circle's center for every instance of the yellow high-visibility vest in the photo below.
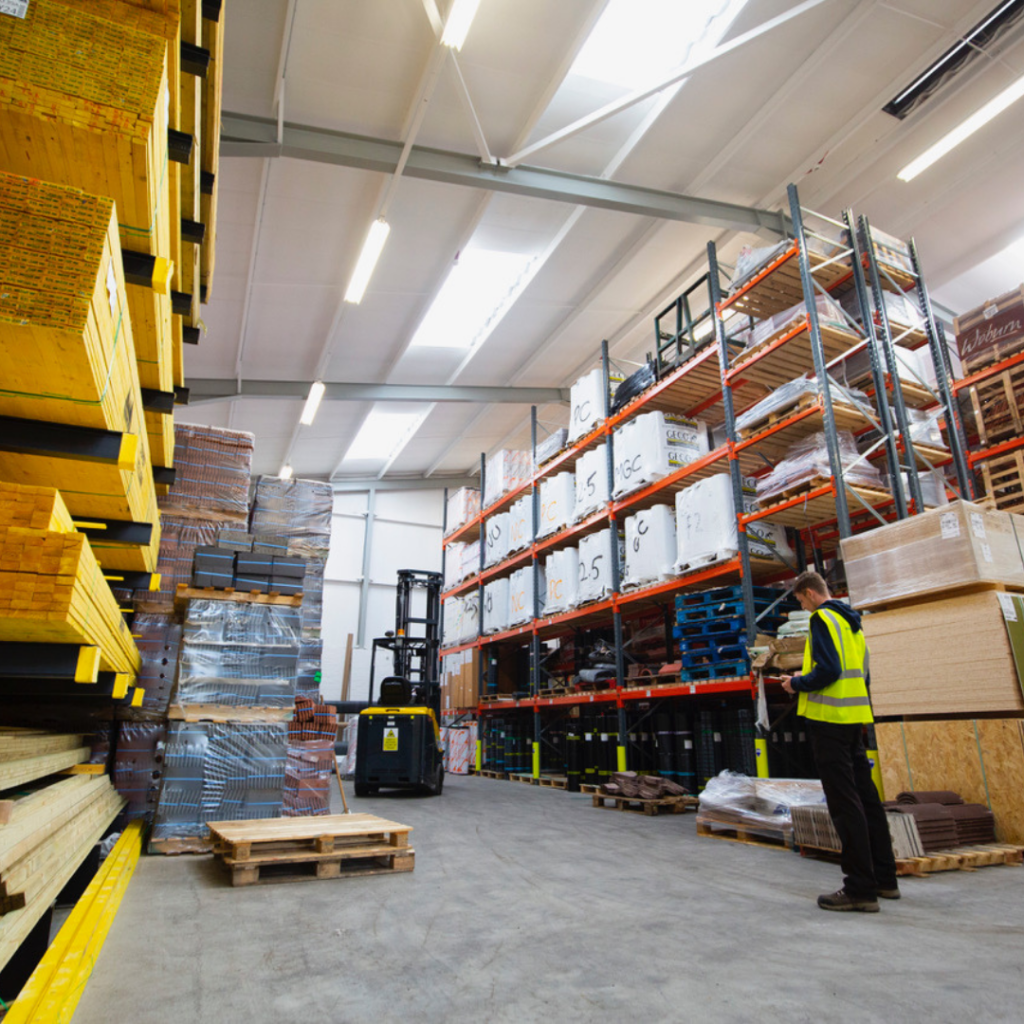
(845, 701)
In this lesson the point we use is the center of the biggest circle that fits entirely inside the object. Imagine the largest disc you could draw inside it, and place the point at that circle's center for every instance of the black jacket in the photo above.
(823, 650)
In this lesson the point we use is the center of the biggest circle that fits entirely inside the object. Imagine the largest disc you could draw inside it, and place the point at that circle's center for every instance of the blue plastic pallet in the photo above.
(723, 670)
(713, 627)
(735, 593)
(724, 609)
(710, 659)
(713, 643)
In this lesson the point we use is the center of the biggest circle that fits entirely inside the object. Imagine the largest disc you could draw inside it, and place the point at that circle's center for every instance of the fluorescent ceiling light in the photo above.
(372, 247)
(313, 400)
(460, 17)
(479, 290)
(286, 472)
(635, 41)
(964, 130)
(383, 435)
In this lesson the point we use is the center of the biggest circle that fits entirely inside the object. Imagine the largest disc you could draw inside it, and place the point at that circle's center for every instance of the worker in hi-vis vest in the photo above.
(833, 697)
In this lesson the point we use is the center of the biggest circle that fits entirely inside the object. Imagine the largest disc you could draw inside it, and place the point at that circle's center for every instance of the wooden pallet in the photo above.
(293, 849)
(187, 593)
(223, 713)
(488, 774)
(665, 804)
(589, 788)
(525, 777)
(961, 858)
(180, 844)
(996, 405)
(738, 834)
(1003, 480)
(554, 781)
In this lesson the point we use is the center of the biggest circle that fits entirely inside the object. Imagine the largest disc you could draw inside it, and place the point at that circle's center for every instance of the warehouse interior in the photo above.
(418, 417)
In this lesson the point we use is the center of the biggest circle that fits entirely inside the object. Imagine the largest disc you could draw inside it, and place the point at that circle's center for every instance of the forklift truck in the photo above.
(398, 738)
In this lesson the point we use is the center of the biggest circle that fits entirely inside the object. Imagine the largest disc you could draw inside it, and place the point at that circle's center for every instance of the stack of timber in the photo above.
(83, 91)
(49, 830)
(213, 42)
(52, 590)
(66, 354)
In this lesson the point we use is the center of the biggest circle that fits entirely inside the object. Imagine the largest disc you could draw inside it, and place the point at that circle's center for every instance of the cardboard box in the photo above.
(992, 331)
(958, 655)
(959, 545)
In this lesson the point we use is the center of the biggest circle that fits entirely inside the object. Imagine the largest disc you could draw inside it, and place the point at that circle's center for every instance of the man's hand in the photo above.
(787, 683)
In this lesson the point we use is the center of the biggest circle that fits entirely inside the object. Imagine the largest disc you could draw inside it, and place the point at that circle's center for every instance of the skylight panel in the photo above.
(479, 290)
(635, 41)
(383, 435)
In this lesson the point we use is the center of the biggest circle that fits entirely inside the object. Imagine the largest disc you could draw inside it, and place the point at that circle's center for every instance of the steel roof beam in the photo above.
(217, 390)
(245, 136)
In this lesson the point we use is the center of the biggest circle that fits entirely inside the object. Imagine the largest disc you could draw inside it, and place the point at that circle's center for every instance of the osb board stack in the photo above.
(943, 657)
(959, 546)
(83, 93)
(50, 832)
(52, 590)
(981, 759)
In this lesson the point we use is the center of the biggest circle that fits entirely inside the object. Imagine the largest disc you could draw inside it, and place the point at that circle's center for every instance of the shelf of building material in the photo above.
(893, 279)
(986, 372)
(787, 426)
(814, 503)
(777, 286)
(1002, 470)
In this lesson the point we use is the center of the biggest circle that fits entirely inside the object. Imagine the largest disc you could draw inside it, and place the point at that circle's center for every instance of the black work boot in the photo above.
(842, 900)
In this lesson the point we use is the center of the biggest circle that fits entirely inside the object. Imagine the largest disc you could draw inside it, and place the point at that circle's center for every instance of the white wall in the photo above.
(406, 534)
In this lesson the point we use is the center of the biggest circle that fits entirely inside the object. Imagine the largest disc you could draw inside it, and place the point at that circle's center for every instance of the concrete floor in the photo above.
(527, 904)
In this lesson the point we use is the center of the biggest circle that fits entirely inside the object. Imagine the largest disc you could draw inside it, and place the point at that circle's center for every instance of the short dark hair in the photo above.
(810, 580)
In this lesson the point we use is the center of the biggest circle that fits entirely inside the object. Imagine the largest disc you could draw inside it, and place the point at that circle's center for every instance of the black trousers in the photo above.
(854, 806)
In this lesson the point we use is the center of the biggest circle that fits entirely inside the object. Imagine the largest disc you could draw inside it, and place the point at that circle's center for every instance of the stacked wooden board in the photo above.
(49, 825)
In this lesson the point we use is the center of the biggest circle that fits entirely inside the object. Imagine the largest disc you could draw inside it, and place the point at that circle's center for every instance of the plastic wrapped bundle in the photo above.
(462, 506)
(751, 260)
(179, 538)
(925, 429)
(595, 564)
(237, 676)
(312, 598)
(634, 385)
(212, 471)
(790, 396)
(520, 524)
(215, 772)
(587, 403)
(521, 596)
(551, 445)
(452, 628)
(307, 669)
(557, 502)
(228, 622)
(592, 490)
(312, 721)
(505, 471)
(470, 620)
(460, 562)
(706, 526)
(650, 545)
(297, 509)
(760, 806)
(459, 744)
(561, 570)
(652, 446)
(496, 538)
(308, 781)
(158, 638)
(138, 766)
(830, 314)
(807, 463)
(494, 617)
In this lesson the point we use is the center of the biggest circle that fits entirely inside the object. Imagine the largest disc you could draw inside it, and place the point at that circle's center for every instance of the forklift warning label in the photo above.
(390, 739)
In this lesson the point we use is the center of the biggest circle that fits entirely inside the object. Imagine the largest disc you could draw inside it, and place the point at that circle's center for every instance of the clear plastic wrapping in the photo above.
(461, 619)
(228, 622)
(595, 564)
(179, 538)
(760, 806)
(307, 669)
(789, 395)
(830, 314)
(505, 471)
(592, 489)
(587, 403)
(650, 545)
(653, 445)
(520, 524)
(557, 502)
(807, 460)
(312, 607)
(550, 446)
(521, 595)
(496, 538)
(138, 766)
(312, 720)
(954, 546)
(751, 259)
(212, 469)
(215, 772)
(462, 506)
(308, 781)
(494, 616)
(300, 510)
(158, 638)
(460, 562)
(237, 676)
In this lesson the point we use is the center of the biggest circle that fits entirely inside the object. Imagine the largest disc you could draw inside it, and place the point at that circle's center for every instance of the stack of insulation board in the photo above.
(85, 102)
(66, 352)
(48, 831)
(53, 591)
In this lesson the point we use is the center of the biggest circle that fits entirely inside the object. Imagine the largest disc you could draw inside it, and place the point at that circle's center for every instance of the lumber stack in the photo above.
(50, 831)
(29, 754)
(83, 92)
(213, 41)
(52, 590)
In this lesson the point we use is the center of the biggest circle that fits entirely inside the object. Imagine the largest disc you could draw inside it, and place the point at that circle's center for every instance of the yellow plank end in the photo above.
(137, 697)
(88, 668)
(128, 453)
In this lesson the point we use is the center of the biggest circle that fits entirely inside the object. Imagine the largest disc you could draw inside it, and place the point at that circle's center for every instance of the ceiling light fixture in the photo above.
(964, 130)
(313, 400)
(286, 472)
(367, 261)
(456, 28)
